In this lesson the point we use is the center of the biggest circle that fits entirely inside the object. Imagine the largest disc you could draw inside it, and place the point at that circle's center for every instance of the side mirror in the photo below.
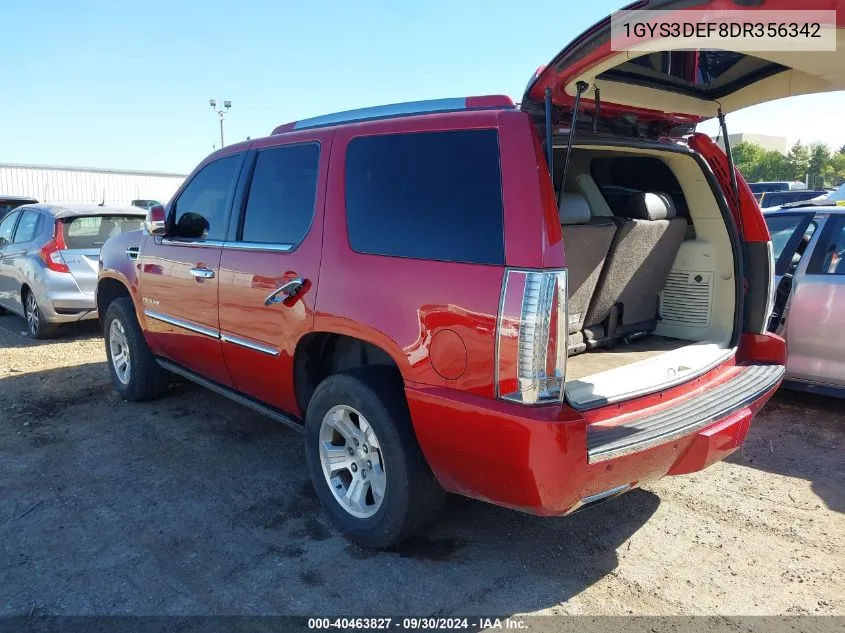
(156, 222)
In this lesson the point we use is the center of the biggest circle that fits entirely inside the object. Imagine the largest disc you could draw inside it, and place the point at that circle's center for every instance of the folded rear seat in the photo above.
(586, 242)
(636, 269)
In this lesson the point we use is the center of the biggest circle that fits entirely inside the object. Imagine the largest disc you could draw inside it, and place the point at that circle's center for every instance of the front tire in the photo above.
(364, 460)
(134, 371)
(36, 324)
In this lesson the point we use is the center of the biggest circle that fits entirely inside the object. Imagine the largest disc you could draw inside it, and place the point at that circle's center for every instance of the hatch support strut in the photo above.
(549, 148)
(729, 153)
(581, 88)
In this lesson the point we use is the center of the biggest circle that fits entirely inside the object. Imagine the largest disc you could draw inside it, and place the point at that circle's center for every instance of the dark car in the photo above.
(10, 203)
(771, 199)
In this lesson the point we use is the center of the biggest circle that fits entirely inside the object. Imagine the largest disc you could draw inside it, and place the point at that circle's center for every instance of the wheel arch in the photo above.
(320, 354)
(111, 286)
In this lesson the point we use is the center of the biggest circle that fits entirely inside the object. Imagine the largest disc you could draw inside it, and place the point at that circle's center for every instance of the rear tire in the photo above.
(36, 325)
(135, 373)
(374, 447)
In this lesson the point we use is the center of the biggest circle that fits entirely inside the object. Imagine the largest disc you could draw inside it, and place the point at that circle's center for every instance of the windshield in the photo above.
(92, 231)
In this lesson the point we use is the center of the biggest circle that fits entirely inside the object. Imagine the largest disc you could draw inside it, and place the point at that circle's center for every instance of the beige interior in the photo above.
(653, 362)
(809, 72)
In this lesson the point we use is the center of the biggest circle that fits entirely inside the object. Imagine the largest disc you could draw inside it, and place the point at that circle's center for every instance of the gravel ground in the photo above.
(195, 505)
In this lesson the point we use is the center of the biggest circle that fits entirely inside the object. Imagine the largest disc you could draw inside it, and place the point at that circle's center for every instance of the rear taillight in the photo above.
(532, 337)
(51, 252)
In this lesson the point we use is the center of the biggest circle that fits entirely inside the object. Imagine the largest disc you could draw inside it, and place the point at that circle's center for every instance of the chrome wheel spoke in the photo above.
(356, 494)
(337, 458)
(342, 423)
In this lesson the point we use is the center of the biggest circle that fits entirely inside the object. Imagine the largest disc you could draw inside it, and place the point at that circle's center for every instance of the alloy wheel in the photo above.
(119, 352)
(352, 461)
(32, 315)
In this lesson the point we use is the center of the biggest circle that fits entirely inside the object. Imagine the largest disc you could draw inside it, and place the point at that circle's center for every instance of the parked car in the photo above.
(144, 204)
(48, 260)
(809, 310)
(462, 295)
(767, 187)
(10, 203)
(779, 198)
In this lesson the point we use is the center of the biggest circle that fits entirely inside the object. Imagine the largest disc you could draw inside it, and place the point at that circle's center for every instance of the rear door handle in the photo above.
(285, 291)
(202, 272)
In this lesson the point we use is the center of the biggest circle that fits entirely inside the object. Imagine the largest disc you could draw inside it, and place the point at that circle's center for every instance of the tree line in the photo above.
(816, 164)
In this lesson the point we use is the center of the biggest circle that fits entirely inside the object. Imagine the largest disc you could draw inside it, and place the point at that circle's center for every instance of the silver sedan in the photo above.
(49, 256)
(809, 310)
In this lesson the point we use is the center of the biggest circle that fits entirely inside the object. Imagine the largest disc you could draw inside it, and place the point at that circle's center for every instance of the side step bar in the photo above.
(669, 424)
(246, 401)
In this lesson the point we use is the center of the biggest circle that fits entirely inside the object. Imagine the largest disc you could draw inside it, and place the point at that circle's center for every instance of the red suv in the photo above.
(438, 310)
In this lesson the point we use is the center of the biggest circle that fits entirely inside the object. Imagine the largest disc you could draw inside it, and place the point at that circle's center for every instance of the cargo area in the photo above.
(651, 271)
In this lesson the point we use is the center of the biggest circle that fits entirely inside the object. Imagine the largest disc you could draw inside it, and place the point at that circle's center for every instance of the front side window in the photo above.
(829, 255)
(200, 210)
(280, 205)
(6, 228)
(429, 195)
(28, 227)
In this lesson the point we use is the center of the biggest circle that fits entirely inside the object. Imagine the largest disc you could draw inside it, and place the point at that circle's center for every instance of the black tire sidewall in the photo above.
(355, 389)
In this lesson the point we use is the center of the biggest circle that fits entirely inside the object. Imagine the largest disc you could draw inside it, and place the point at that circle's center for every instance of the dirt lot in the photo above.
(194, 505)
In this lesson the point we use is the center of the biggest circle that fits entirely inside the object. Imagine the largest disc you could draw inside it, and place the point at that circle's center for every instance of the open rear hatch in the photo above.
(644, 94)
(658, 91)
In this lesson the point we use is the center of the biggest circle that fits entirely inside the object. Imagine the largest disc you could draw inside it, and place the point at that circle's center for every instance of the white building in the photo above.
(47, 183)
(766, 141)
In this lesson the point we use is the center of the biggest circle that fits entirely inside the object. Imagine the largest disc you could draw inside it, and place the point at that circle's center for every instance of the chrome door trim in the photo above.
(258, 246)
(171, 241)
(243, 342)
(182, 323)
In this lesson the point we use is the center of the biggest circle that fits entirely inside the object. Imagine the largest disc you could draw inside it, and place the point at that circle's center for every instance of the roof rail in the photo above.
(409, 108)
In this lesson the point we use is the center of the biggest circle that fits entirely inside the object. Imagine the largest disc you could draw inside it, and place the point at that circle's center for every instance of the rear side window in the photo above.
(829, 254)
(28, 227)
(431, 195)
(202, 205)
(92, 231)
(280, 205)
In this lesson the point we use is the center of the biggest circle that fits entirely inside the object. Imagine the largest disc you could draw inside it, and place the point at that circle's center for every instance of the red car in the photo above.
(414, 288)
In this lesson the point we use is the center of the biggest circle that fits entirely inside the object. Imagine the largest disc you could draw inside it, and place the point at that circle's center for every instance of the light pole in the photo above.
(220, 114)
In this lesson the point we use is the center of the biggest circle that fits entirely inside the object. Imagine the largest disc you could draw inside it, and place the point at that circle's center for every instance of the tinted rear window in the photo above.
(431, 195)
(92, 231)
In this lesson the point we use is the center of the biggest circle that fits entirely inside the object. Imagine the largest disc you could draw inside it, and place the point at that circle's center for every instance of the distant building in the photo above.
(770, 143)
(83, 184)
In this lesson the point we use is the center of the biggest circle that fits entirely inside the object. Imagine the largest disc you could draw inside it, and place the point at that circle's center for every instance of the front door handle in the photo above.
(285, 291)
(201, 272)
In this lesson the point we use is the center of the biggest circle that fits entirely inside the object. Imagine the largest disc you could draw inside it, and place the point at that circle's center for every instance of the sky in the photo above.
(126, 84)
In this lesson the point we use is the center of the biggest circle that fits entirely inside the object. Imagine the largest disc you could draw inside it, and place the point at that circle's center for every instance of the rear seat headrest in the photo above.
(650, 206)
(573, 209)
